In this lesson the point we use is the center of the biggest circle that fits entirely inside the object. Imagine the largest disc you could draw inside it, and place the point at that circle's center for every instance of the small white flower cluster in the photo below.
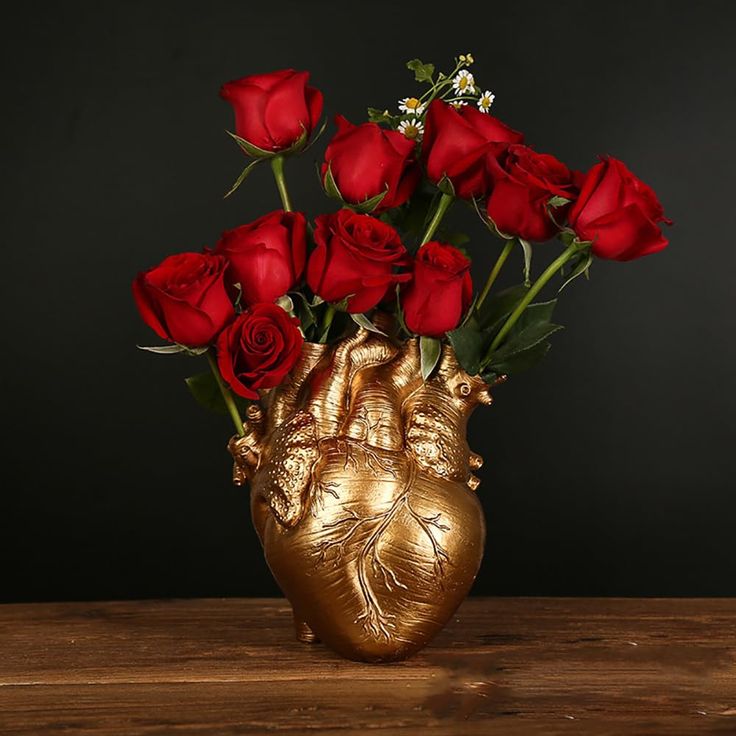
(411, 106)
(464, 84)
(412, 128)
(485, 101)
(464, 87)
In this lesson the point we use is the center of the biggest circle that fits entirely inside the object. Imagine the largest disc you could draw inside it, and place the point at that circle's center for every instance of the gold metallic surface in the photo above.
(362, 493)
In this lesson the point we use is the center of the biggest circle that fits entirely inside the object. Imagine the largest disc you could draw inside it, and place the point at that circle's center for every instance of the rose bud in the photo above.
(355, 257)
(618, 212)
(464, 145)
(258, 349)
(366, 161)
(274, 111)
(440, 291)
(267, 256)
(523, 185)
(184, 299)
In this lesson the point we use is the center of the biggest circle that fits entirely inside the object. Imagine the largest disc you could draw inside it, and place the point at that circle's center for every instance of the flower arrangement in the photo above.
(355, 344)
(269, 285)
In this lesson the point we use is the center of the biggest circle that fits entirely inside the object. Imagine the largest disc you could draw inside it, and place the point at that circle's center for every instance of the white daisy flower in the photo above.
(464, 83)
(411, 106)
(413, 129)
(485, 101)
(457, 104)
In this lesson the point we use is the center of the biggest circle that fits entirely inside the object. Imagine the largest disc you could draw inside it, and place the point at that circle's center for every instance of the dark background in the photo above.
(610, 468)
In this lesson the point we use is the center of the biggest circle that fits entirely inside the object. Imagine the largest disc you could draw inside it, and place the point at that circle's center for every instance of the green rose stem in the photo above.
(277, 165)
(442, 206)
(495, 271)
(327, 322)
(227, 397)
(551, 270)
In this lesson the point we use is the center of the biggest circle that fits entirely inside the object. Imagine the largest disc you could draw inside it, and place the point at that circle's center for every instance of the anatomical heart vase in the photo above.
(362, 493)
(350, 348)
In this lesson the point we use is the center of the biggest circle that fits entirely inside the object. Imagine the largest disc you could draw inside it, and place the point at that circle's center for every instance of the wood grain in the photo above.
(504, 666)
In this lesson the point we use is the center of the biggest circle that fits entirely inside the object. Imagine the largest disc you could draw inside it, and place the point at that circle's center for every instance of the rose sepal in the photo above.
(333, 192)
(446, 186)
(489, 223)
(243, 175)
(261, 153)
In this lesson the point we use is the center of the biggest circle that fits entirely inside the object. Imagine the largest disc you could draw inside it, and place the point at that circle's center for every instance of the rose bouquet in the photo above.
(350, 349)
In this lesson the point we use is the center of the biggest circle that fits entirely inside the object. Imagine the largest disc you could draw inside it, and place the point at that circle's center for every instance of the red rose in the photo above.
(523, 184)
(184, 299)
(258, 349)
(273, 111)
(267, 256)
(464, 145)
(366, 160)
(355, 257)
(618, 212)
(440, 291)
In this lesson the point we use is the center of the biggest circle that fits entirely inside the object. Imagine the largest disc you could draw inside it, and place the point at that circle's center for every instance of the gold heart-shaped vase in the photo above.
(363, 496)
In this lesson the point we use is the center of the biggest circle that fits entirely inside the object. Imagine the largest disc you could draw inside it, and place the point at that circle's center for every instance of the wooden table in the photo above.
(503, 666)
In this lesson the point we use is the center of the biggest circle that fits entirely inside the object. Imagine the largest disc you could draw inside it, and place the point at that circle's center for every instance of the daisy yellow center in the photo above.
(412, 103)
(411, 131)
(462, 83)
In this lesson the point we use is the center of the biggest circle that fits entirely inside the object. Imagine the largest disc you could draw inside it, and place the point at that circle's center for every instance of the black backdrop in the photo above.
(610, 468)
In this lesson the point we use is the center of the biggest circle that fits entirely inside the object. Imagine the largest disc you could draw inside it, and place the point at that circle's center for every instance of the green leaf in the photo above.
(206, 392)
(243, 174)
(516, 364)
(286, 303)
(430, 349)
(400, 312)
(527, 248)
(537, 313)
(525, 344)
(362, 321)
(500, 304)
(413, 217)
(469, 342)
(581, 266)
(342, 305)
(527, 338)
(303, 310)
(163, 349)
(330, 186)
(381, 116)
(422, 72)
(250, 149)
(457, 239)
